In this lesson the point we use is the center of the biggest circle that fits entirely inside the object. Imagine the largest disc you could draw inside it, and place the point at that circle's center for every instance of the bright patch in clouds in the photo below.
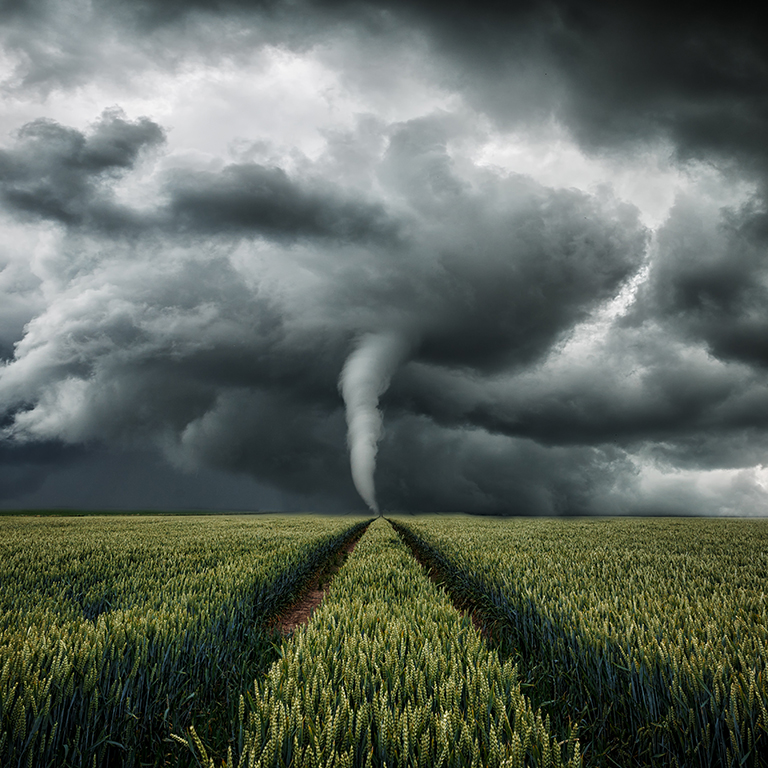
(648, 178)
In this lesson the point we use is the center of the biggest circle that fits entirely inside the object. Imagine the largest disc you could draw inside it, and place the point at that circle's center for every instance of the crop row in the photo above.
(115, 631)
(388, 673)
(652, 634)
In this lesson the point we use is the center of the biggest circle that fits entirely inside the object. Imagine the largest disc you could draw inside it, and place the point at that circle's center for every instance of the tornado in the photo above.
(364, 379)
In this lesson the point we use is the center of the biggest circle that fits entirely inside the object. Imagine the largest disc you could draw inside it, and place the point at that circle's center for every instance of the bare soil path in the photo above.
(302, 609)
(436, 576)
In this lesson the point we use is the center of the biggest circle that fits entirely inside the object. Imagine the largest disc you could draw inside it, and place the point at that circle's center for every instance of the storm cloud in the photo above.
(556, 213)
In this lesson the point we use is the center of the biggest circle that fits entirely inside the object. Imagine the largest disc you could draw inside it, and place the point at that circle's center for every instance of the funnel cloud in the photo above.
(364, 379)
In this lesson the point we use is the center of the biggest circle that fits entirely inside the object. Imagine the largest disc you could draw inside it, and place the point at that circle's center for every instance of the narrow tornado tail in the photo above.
(364, 378)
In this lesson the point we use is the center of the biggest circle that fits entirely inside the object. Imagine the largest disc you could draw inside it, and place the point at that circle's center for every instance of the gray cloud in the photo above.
(428, 468)
(639, 386)
(251, 197)
(65, 175)
(710, 281)
(613, 72)
(204, 307)
(61, 174)
(184, 342)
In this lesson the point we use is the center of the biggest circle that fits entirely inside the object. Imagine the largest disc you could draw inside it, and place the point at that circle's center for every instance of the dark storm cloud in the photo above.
(300, 446)
(59, 173)
(216, 328)
(64, 175)
(710, 280)
(251, 197)
(24, 468)
(615, 72)
(675, 396)
(468, 470)
(516, 263)
(112, 479)
(212, 348)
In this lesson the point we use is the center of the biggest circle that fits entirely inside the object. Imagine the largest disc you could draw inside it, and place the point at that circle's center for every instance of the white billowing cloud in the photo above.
(218, 97)
(20, 297)
(59, 414)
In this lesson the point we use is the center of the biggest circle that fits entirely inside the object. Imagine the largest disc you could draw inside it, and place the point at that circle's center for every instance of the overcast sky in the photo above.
(552, 213)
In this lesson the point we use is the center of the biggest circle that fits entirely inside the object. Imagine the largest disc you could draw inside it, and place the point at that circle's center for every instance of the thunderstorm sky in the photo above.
(542, 224)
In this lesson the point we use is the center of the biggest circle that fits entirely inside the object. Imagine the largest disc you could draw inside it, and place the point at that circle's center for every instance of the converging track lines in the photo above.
(388, 673)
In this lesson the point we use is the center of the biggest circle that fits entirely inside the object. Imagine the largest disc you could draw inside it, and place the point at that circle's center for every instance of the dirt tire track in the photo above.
(301, 610)
(436, 575)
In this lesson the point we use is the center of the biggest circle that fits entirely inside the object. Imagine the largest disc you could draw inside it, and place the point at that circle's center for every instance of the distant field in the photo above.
(64, 512)
(150, 640)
